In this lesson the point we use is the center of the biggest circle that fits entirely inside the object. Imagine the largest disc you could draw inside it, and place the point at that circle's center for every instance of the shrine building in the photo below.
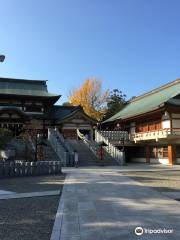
(27, 105)
(151, 124)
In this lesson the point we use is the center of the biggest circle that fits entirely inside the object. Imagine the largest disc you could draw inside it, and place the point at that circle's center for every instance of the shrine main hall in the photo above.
(28, 105)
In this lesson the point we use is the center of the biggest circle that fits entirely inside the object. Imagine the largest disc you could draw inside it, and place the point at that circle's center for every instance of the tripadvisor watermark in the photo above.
(140, 231)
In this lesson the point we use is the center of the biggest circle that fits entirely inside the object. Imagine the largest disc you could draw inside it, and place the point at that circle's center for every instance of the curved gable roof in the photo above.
(148, 102)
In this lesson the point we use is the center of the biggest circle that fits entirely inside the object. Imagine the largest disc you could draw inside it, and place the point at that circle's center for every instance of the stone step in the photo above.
(49, 153)
(86, 156)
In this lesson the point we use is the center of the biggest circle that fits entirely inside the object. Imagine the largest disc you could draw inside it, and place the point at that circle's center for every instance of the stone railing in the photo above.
(64, 143)
(118, 155)
(92, 147)
(56, 145)
(116, 136)
(22, 168)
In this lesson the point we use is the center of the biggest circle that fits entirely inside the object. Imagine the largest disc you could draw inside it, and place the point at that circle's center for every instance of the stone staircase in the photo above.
(87, 157)
(49, 153)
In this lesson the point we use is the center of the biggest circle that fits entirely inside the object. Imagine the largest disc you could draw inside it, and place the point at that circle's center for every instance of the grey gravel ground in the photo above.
(32, 184)
(27, 219)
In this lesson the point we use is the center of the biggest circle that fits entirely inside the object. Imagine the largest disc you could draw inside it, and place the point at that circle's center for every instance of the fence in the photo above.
(21, 168)
(116, 136)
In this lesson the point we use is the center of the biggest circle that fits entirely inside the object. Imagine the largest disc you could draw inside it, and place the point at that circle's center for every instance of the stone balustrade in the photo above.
(116, 136)
(155, 135)
(22, 168)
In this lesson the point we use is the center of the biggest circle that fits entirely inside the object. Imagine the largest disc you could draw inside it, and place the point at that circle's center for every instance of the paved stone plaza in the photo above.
(101, 203)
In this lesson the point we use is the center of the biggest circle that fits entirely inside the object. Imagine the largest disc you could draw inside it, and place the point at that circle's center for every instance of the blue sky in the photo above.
(132, 45)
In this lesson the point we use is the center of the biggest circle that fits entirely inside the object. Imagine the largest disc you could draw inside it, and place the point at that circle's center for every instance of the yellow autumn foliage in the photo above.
(91, 98)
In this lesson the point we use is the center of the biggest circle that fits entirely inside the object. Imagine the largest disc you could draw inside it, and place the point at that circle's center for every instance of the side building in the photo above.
(152, 124)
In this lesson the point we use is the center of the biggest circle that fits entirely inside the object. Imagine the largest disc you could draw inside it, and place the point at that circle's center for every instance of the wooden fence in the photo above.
(21, 168)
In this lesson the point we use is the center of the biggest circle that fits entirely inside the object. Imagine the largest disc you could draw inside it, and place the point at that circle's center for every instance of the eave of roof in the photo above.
(10, 79)
(14, 109)
(28, 94)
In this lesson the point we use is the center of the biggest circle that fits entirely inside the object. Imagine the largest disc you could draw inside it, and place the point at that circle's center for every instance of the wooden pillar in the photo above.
(171, 154)
(147, 154)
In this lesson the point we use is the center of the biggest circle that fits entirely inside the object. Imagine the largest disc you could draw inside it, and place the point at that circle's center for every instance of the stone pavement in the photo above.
(101, 204)
(8, 195)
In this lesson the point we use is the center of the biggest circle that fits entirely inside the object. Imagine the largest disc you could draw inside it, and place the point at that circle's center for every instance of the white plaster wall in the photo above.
(166, 124)
(176, 123)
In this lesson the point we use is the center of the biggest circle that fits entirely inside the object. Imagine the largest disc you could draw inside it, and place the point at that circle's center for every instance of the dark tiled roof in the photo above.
(22, 87)
(61, 112)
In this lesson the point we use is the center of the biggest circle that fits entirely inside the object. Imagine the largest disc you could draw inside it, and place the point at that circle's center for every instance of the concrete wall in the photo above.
(138, 160)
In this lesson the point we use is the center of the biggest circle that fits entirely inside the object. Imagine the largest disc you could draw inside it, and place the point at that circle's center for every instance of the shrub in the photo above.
(5, 137)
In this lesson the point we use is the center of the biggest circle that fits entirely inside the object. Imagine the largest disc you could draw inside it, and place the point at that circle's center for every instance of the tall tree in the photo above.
(91, 98)
(116, 101)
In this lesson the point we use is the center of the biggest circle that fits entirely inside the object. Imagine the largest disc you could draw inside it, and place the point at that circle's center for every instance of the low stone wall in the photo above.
(164, 161)
(21, 168)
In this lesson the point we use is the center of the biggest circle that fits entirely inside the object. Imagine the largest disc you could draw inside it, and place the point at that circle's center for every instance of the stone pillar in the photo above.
(171, 154)
(147, 154)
